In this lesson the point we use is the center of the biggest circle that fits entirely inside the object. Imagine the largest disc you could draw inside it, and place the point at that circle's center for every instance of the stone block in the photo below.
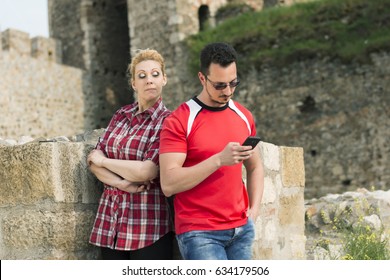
(45, 48)
(293, 168)
(26, 174)
(269, 232)
(36, 171)
(291, 211)
(17, 41)
(51, 234)
(69, 163)
(269, 194)
(74, 182)
(298, 244)
(270, 156)
(261, 253)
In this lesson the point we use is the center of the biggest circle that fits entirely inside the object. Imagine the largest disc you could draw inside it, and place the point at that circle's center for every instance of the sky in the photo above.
(25, 15)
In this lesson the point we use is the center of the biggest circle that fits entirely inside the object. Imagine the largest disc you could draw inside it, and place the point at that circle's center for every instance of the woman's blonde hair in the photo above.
(142, 55)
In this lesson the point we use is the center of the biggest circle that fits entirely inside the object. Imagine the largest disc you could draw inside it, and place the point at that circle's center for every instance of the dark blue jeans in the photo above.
(230, 244)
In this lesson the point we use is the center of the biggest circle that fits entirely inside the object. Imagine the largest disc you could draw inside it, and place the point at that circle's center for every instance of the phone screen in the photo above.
(251, 141)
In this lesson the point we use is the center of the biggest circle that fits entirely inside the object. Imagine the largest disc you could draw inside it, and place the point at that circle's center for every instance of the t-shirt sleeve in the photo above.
(252, 125)
(173, 138)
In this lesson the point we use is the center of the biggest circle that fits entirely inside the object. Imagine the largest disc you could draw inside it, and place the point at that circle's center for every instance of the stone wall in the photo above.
(338, 113)
(38, 95)
(49, 198)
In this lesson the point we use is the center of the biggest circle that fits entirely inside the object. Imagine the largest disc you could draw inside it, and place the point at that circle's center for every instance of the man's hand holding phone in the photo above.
(251, 141)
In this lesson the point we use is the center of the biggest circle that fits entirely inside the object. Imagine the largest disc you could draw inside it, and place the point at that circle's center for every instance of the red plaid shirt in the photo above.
(140, 219)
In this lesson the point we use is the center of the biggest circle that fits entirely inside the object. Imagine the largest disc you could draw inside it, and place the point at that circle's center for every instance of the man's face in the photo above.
(220, 84)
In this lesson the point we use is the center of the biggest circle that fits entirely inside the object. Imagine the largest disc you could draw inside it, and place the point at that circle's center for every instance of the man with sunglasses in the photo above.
(201, 160)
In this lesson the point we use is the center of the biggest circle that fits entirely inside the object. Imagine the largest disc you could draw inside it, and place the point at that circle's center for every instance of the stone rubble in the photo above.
(350, 209)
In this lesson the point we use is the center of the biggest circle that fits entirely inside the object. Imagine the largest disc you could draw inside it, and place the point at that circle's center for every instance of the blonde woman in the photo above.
(132, 220)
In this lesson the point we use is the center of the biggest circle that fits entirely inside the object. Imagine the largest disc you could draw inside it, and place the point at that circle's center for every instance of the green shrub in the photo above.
(362, 243)
(359, 240)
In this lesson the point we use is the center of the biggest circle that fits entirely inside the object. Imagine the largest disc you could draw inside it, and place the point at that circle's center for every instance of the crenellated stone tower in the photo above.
(39, 96)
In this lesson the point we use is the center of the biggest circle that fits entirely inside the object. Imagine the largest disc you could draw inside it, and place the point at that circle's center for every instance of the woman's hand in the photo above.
(96, 157)
(132, 187)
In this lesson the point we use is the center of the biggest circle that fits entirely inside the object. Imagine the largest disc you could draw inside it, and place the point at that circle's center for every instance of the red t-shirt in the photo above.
(220, 201)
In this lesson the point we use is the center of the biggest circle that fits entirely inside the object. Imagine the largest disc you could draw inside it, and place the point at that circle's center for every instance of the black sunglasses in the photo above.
(221, 86)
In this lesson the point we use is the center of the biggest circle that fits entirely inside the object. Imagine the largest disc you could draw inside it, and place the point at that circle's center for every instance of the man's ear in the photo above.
(201, 77)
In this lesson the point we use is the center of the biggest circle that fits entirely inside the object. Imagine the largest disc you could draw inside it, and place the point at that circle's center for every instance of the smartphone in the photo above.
(251, 141)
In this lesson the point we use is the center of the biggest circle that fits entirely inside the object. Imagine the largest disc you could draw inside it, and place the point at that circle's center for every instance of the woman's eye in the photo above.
(141, 76)
(156, 74)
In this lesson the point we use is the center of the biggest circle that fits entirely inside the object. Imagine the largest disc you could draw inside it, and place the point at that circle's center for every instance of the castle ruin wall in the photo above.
(38, 96)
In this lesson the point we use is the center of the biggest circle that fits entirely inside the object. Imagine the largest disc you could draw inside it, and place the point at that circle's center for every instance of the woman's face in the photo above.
(148, 81)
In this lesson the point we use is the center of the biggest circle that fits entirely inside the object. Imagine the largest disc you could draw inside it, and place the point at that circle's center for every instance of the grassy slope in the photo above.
(348, 30)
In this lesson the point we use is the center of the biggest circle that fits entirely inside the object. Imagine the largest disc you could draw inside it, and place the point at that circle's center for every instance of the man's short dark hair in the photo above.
(218, 53)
